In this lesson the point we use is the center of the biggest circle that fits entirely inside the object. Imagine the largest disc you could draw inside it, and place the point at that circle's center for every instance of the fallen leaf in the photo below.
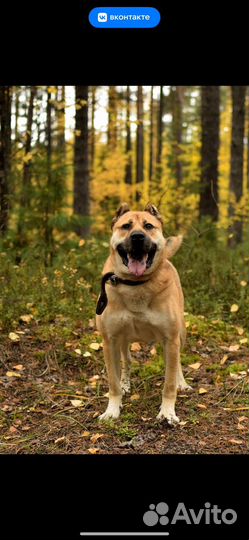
(86, 354)
(135, 397)
(235, 376)
(86, 434)
(77, 351)
(202, 391)
(94, 438)
(25, 428)
(19, 367)
(183, 423)
(97, 413)
(242, 418)
(135, 347)
(241, 427)
(13, 374)
(224, 359)
(201, 406)
(82, 242)
(240, 330)
(93, 450)
(235, 441)
(187, 323)
(145, 419)
(76, 402)
(243, 283)
(153, 351)
(234, 348)
(26, 318)
(94, 346)
(195, 366)
(59, 440)
(238, 409)
(234, 308)
(243, 340)
(12, 429)
(14, 337)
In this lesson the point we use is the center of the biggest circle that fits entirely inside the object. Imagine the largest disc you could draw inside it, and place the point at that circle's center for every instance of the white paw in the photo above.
(126, 386)
(113, 409)
(184, 386)
(168, 414)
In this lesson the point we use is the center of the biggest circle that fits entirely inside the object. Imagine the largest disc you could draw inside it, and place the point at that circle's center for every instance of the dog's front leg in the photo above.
(171, 356)
(112, 361)
(126, 366)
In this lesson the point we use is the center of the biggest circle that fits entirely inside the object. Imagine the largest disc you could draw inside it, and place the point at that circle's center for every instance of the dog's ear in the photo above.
(153, 211)
(172, 245)
(121, 210)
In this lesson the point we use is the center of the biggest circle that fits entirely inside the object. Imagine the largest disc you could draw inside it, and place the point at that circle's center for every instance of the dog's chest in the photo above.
(137, 301)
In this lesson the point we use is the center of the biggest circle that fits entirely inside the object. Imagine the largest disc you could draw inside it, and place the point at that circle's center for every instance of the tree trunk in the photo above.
(5, 147)
(237, 151)
(159, 134)
(140, 140)
(27, 147)
(210, 120)
(81, 203)
(128, 167)
(48, 229)
(16, 112)
(151, 141)
(112, 134)
(61, 143)
(177, 132)
(92, 138)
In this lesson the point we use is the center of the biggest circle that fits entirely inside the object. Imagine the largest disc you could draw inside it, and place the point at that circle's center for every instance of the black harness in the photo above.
(114, 280)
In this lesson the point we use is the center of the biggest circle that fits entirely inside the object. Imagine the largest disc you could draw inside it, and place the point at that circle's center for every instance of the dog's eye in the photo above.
(148, 226)
(126, 226)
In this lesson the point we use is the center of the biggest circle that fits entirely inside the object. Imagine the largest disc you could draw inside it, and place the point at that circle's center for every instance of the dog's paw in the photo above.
(169, 415)
(184, 386)
(112, 411)
(126, 386)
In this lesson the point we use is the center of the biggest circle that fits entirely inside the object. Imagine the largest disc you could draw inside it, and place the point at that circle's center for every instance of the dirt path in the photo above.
(52, 392)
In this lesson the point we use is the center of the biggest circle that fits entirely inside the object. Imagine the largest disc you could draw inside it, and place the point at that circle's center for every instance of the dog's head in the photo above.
(137, 241)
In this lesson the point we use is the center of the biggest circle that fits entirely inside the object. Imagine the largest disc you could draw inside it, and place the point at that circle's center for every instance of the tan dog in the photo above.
(152, 311)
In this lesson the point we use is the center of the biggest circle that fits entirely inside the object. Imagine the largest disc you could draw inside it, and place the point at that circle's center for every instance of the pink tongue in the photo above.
(137, 267)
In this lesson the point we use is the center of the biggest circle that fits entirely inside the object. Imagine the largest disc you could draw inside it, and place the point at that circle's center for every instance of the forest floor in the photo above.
(53, 384)
(52, 392)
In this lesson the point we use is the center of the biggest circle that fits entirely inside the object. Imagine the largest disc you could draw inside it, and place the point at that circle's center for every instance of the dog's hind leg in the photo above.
(181, 383)
(125, 368)
(112, 361)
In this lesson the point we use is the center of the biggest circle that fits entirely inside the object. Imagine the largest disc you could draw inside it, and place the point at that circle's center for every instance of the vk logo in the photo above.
(102, 17)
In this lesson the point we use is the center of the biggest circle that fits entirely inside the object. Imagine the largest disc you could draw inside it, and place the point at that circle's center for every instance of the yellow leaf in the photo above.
(77, 351)
(224, 359)
(19, 367)
(76, 402)
(201, 406)
(243, 283)
(86, 354)
(94, 346)
(240, 330)
(187, 324)
(13, 374)
(85, 434)
(235, 441)
(195, 366)
(26, 318)
(14, 337)
(234, 308)
(59, 440)
(153, 351)
(82, 242)
(242, 418)
(183, 423)
(96, 436)
(135, 347)
(243, 340)
(234, 348)
(202, 391)
(135, 397)
(93, 450)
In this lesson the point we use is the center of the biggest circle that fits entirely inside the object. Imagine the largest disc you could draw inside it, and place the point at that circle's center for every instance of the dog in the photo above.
(141, 300)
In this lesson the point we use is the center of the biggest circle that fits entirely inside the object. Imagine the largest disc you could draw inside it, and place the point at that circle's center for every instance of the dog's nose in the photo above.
(137, 236)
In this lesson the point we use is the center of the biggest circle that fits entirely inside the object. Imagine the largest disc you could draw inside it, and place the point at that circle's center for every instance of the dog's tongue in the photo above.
(137, 267)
